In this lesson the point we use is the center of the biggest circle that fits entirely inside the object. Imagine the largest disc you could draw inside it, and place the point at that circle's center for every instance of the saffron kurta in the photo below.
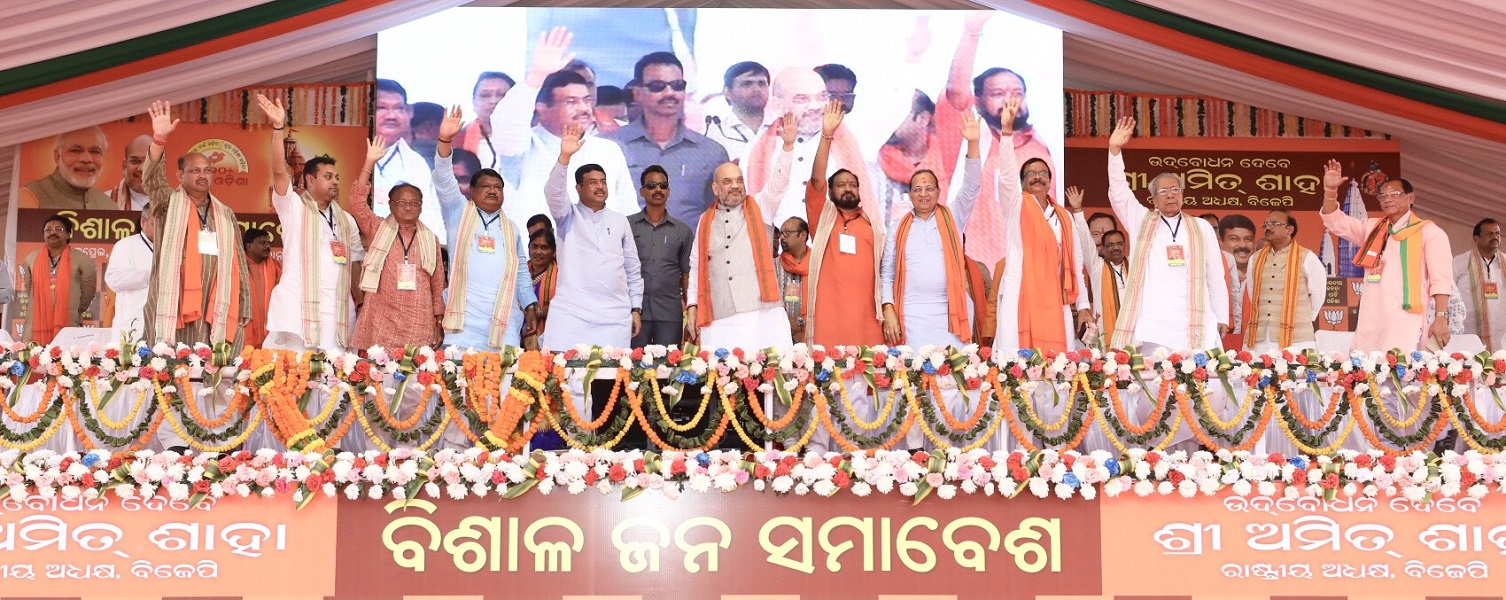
(266, 277)
(1483, 315)
(1383, 323)
(390, 317)
(1164, 316)
(925, 295)
(844, 311)
(600, 276)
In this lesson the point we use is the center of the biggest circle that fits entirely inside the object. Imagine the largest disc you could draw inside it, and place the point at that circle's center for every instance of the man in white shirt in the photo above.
(738, 118)
(401, 164)
(313, 305)
(599, 296)
(128, 275)
(130, 193)
(1176, 270)
(1478, 275)
(560, 98)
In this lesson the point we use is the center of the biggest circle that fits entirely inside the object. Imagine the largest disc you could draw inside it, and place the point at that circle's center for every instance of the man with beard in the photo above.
(745, 88)
(847, 253)
(924, 275)
(59, 281)
(1176, 271)
(987, 94)
(1043, 275)
(491, 87)
(491, 299)
(1236, 237)
(661, 138)
(79, 155)
(664, 247)
(200, 291)
(801, 92)
(401, 164)
(1284, 291)
(600, 276)
(130, 194)
(791, 271)
(561, 97)
(1478, 275)
(128, 275)
(314, 306)
(266, 275)
(734, 296)
(1406, 261)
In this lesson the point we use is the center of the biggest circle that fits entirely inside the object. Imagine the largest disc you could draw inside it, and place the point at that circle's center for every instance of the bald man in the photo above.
(130, 193)
(802, 93)
(79, 156)
(734, 297)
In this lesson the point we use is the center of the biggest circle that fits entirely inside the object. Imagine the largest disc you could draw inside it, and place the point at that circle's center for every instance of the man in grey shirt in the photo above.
(664, 244)
(661, 137)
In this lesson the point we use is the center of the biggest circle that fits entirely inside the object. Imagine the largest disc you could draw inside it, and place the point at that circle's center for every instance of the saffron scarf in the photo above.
(1477, 280)
(465, 236)
(1197, 292)
(344, 232)
(1411, 257)
(825, 224)
(763, 259)
(1289, 289)
(1108, 296)
(49, 305)
(1050, 273)
(795, 266)
(381, 246)
(977, 284)
(543, 285)
(178, 255)
(951, 259)
(991, 327)
(270, 271)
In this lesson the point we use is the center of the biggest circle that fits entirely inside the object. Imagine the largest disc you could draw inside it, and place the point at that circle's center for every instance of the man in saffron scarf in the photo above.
(266, 274)
(200, 291)
(1177, 298)
(1478, 275)
(1043, 277)
(925, 283)
(313, 307)
(491, 299)
(847, 253)
(727, 308)
(1284, 290)
(791, 270)
(60, 282)
(1406, 261)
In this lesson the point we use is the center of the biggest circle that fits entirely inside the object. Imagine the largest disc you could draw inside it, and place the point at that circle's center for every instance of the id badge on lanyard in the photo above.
(337, 248)
(1175, 255)
(486, 244)
(209, 245)
(407, 277)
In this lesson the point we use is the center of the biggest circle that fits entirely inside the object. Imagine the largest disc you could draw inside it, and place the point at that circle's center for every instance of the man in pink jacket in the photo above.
(1407, 261)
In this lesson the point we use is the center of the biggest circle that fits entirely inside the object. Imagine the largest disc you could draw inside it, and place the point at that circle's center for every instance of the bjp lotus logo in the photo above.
(1333, 316)
(1358, 287)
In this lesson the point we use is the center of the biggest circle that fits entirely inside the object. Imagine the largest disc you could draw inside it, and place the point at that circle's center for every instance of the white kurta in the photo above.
(926, 320)
(129, 275)
(1495, 272)
(527, 153)
(1164, 309)
(285, 309)
(403, 164)
(1011, 201)
(600, 277)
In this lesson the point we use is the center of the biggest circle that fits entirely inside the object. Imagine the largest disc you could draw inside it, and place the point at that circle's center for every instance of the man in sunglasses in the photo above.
(664, 244)
(660, 137)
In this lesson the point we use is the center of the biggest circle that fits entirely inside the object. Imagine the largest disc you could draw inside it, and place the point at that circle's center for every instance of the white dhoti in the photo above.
(750, 330)
(928, 324)
(565, 330)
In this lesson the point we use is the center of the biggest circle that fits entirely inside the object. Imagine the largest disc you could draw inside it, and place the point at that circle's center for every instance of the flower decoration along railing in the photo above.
(847, 398)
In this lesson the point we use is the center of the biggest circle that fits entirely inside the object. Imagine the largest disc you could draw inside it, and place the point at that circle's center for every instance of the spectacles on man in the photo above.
(656, 185)
(677, 85)
(1168, 190)
(407, 203)
(1390, 194)
(790, 232)
(1275, 224)
(1040, 173)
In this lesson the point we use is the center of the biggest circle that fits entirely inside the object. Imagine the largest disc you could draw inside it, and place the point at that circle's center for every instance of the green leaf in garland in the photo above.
(630, 493)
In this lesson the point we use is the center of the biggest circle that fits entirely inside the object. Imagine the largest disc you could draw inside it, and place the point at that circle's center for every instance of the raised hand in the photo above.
(1333, 177)
(789, 129)
(276, 113)
(1007, 114)
(163, 123)
(375, 150)
(975, 20)
(831, 119)
(570, 142)
(450, 125)
(1074, 198)
(1123, 131)
(971, 126)
(550, 54)
(919, 39)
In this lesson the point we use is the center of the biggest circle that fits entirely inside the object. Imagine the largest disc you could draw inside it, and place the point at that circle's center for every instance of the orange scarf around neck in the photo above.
(951, 259)
(795, 266)
(1050, 273)
(50, 304)
(763, 263)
